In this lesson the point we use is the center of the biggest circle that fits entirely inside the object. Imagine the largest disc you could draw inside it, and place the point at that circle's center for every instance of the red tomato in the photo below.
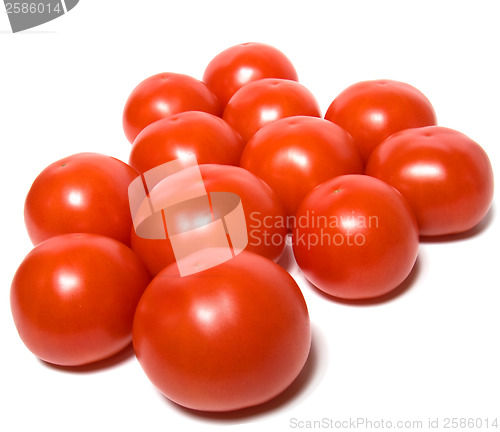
(163, 95)
(74, 296)
(372, 110)
(445, 176)
(295, 154)
(230, 337)
(265, 217)
(240, 64)
(355, 237)
(206, 136)
(266, 100)
(85, 192)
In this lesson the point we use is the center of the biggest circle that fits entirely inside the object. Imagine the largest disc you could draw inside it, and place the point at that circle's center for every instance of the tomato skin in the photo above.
(241, 64)
(156, 254)
(206, 136)
(85, 192)
(355, 237)
(227, 338)
(445, 176)
(261, 206)
(162, 95)
(295, 154)
(372, 110)
(74, 296)
(266, 100)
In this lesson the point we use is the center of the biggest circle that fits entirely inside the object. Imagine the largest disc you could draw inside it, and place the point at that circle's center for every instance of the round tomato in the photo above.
(206, 136)
(355, 237)
(74, 296)
(230, 337)
(264, 101)
(85, 192)
(295, 154)
(240, 64)
(265, 218)
(163, 95)
(372, 110)
(445, 176)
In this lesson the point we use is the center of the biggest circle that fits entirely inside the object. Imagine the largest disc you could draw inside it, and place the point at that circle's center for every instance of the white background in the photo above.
(431, 351)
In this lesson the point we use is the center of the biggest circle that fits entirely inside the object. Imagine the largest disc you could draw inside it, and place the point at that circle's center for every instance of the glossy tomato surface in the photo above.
(355, 237)
(73, 298)
(230, 337)
(261, 102)
(372, 110)
(163, 95)
(206, 136)
(85, 192)
(238, 65)
(295, 154)
(445, 176)
(265, 217)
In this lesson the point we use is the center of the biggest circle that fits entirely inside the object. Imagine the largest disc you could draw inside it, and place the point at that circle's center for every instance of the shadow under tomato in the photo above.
(473, 232)
(314, 367)
(395, 293)
(287, 260)
(108, 363)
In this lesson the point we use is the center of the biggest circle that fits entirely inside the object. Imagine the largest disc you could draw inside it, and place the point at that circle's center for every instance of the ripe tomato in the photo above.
(240, 64)
(85, 192)
(163, 95)
(206, 136)
(445, 176)
(295, 154)
(73, 298)
(230, 337)
(266, 100)
(372, 110)
(264, 214)
(355, 237)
